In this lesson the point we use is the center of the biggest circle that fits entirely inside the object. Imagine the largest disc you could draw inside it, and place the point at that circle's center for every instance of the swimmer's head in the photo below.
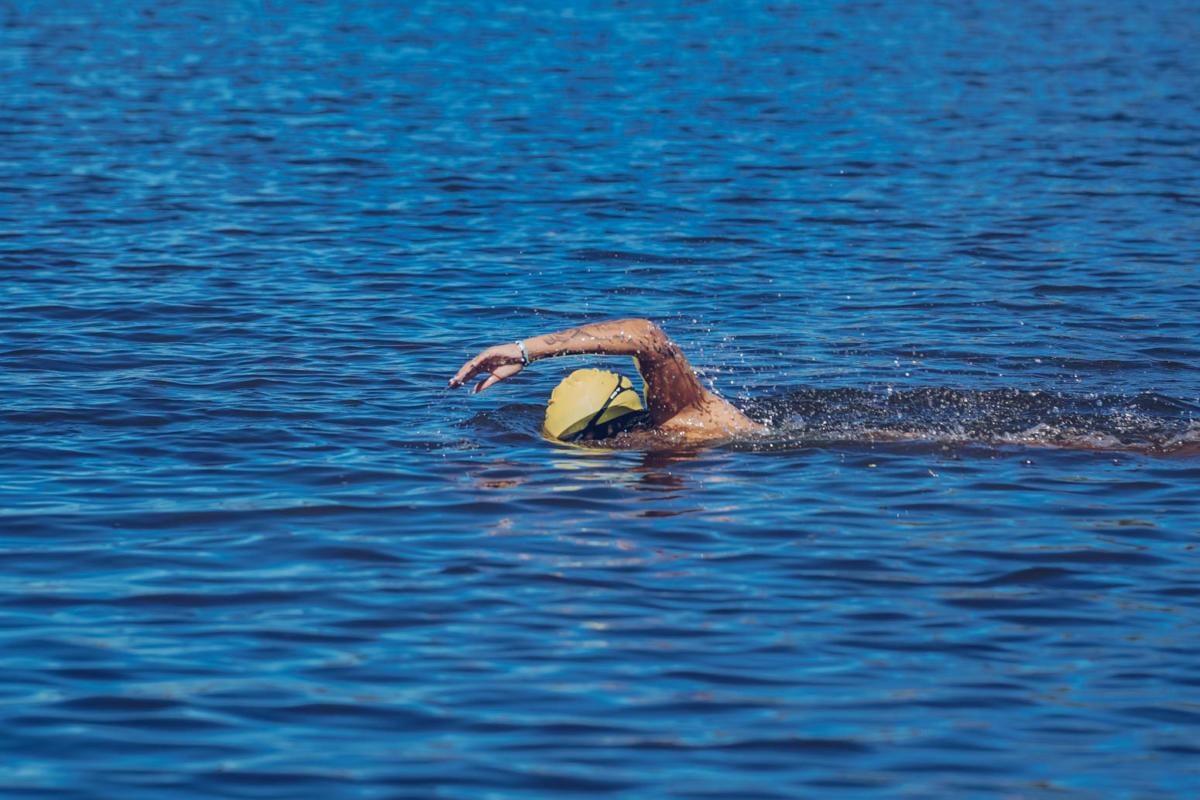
(591, 404)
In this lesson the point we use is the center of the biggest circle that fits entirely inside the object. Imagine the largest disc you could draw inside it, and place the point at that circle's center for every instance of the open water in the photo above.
(251, 547)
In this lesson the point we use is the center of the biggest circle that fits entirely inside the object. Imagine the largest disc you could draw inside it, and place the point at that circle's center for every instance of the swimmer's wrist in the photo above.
(525, 359)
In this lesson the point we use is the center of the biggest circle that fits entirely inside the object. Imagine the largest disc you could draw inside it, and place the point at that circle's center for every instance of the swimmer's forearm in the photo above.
(640, 338)
(621, 337)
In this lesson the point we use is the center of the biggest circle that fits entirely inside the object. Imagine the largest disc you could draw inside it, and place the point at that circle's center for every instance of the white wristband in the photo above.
(524, 353)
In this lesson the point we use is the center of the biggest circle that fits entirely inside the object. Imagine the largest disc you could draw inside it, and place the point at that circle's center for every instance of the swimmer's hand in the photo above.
(500, 362)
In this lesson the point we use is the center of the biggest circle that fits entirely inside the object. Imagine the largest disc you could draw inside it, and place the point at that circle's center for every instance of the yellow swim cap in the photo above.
(587, 399)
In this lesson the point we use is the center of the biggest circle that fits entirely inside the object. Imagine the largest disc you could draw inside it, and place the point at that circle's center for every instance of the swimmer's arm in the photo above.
(671, 384)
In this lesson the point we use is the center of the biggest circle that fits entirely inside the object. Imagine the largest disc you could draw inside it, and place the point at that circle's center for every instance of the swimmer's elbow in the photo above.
(654, 342)
(644, 330)
(643, 339)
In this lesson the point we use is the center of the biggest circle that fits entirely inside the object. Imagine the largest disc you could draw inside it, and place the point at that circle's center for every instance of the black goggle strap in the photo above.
(591, 426)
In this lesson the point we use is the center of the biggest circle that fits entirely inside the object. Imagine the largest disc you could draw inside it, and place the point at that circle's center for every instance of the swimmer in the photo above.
(591, 404)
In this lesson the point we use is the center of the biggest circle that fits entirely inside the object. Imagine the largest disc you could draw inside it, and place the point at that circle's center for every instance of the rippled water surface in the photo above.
(253, 548)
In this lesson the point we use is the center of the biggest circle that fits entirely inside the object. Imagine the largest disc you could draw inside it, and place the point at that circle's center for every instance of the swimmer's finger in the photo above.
(467, 371)
(498, 374)
(497, 360)
(488, 382)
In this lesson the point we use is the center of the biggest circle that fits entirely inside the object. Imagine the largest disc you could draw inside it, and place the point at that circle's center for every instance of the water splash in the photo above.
(1147, 422)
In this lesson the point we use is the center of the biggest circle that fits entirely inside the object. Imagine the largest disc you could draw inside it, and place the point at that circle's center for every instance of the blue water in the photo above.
(253, 548)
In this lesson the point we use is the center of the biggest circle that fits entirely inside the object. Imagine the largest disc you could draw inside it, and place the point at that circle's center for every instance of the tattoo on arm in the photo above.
(617, 337)
(562, 337)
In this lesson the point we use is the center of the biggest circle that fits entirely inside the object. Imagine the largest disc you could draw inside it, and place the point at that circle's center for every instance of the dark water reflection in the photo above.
(253, 548)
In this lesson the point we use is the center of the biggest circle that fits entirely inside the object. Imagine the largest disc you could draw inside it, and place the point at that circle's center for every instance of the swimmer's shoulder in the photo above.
(714, 418)
(686, 430)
